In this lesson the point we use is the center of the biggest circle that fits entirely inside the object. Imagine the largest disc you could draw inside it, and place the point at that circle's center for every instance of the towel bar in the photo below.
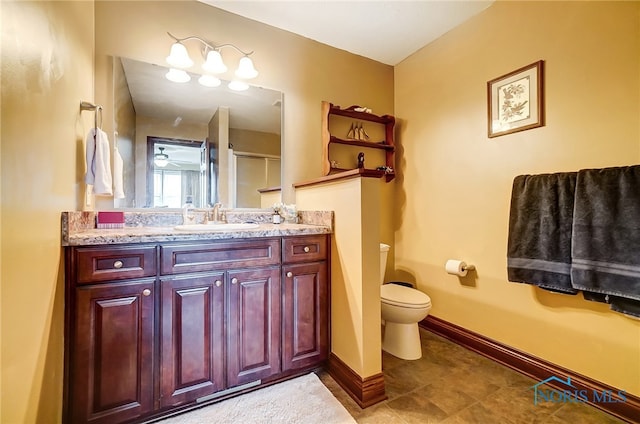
(90, 106)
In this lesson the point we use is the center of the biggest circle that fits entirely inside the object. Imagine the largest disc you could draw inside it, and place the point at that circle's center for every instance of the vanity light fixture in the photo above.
(245, 69)
(177, 75)
(209, 81)
(237, 85)
(214, 63)
(179, 59)
(161, 159)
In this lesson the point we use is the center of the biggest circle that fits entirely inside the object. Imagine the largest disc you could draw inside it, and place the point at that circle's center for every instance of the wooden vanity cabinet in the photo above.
(228, 334)
(152, 328)
(218, 330)
(305, 302)
(253, 325)
(109, 335)
(191, 337)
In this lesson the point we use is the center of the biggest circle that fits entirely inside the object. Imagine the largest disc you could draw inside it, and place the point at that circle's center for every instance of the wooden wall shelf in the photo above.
(387, 144)
(368, 144)
(385, 119)
(342, 174)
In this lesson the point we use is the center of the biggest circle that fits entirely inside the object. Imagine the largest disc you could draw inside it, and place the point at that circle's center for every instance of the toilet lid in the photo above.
(394, 294)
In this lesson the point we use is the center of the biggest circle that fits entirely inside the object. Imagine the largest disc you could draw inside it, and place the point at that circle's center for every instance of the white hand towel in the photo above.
(99, 163)
(118, 178)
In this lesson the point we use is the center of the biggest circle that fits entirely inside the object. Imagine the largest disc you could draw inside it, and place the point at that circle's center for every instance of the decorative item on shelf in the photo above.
(386, 169)
(179, 60)
(362, 134)
(361, 160)
(334, 164)
(357, 108)
(357, 132)
(351, 134)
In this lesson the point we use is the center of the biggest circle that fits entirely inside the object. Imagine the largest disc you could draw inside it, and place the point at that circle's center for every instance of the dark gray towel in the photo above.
(619, 304)
(606, 232)
(539, 244)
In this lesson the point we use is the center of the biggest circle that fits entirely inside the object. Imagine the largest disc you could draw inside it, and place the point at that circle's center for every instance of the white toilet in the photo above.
(402, 309)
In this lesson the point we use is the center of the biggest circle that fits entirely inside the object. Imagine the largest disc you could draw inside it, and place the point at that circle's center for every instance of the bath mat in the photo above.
(300, 400)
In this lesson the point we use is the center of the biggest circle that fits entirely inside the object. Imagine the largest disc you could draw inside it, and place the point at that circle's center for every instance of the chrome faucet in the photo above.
(215, 216)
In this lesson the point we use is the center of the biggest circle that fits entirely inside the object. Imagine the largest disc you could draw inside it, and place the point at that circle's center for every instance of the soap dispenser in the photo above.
(189, 212)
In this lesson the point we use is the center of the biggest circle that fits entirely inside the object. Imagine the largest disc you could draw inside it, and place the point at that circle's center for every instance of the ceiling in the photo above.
(385, 31)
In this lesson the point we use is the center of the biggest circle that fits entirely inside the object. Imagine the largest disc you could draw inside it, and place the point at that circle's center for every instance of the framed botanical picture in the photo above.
(516, 100)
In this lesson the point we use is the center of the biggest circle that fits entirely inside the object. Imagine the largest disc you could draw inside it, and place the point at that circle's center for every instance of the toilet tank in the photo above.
(384, 251)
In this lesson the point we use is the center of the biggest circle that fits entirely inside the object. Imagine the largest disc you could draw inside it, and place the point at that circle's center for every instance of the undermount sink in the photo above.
(216, 227)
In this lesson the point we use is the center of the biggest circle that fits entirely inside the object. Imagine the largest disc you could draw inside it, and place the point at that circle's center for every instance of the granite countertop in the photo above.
(78, 228)
(164, 234)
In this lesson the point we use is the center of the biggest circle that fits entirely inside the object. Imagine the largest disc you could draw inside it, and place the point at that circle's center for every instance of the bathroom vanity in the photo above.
(172, 321)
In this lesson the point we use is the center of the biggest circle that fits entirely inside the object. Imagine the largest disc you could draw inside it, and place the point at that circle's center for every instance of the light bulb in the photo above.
(179, 58)
(177, 75)
(214, 63)
(246, 69)
(238, 85)
(209, 81)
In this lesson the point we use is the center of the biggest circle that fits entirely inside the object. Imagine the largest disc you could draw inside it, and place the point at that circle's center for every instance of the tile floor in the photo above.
(453, 385)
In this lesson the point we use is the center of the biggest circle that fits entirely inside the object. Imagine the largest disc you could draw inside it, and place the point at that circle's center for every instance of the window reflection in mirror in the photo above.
(235, 124)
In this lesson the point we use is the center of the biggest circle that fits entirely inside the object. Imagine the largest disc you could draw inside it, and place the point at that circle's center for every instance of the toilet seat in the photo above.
(405, 297)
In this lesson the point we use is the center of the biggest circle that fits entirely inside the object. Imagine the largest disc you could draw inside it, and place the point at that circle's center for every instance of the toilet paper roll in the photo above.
(455, 267)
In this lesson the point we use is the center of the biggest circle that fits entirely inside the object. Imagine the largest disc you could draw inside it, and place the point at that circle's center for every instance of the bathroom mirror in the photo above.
(176, 140)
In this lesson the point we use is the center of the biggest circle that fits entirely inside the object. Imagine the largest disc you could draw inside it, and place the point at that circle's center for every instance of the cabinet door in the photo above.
(111, 379)
(192, 341)
(305, 314)
(254, 325)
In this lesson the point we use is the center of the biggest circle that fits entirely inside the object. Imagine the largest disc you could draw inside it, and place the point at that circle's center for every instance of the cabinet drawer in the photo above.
(115, 263)
(176, 259)
(304, 249)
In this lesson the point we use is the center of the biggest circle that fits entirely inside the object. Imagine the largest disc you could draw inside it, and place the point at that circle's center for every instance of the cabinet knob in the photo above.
(234, 281)
(117, 264)
(289, 274)
(146, 292)
(218, 283)
(306, 249)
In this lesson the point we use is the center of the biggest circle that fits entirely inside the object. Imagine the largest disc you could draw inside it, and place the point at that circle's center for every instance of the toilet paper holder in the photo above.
(457, 267)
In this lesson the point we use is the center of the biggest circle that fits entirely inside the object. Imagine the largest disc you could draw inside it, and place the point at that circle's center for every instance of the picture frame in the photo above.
(516, 100)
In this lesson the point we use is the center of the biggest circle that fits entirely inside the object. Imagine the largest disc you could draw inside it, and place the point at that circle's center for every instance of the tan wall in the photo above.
(124, 135)
(47, 69)
(255, 141)
(219, 131)
(355, 269)
(270, 198)
(453, 195)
